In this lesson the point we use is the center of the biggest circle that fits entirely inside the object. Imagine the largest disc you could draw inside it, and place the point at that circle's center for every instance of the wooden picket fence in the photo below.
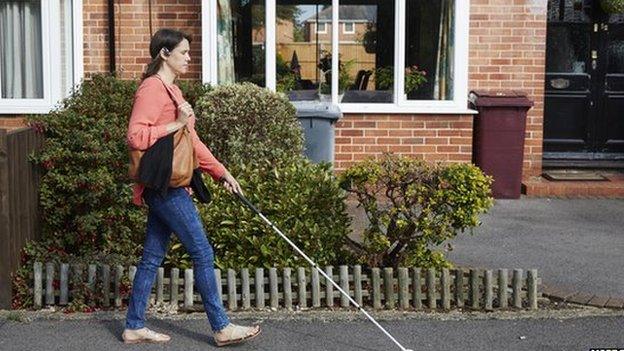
(405, 288)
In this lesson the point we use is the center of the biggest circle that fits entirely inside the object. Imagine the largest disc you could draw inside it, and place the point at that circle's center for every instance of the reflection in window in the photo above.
(348, 28)
(303, 49)
(615, 55)
(21, 58)
(321, 27)
(67, 58)
(429, 50)
(567, 47)
(367, 55)
(241, 41)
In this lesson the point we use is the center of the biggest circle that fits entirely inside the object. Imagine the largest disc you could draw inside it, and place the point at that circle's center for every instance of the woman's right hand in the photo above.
(185, 111)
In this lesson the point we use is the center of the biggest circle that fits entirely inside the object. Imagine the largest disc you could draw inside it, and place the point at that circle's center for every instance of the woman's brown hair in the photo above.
(164, 38)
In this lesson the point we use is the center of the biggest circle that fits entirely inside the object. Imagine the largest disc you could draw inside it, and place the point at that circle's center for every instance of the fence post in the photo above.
(301, 287)
(389, 288)
(92, 277)
(246, 291)
(118, 275)
(403, 288)
(49, 283)
(64, 295)
(532, 288)
(431, 288)
(160, 285)
(445, 281)
(487, 282)
(287, 285)
(502, 288)
(316, 288)
(231, 283)
(357, 283)
(106, 284)
(188, 289)
(273, 297)
(474, 288)
(38, 284)
(259, 288)
(376, 280)
(344, 284)
(517, 288)
(459, 288)
(329, 287)
(416, 288)
(173, 286)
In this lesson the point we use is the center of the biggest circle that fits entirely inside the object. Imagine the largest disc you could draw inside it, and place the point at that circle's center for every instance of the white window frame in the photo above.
(51, 60)
(457, 105)
(316, 26)
(344, 27)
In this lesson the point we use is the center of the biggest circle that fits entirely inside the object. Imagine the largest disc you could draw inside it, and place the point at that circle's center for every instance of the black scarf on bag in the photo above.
(155, 170)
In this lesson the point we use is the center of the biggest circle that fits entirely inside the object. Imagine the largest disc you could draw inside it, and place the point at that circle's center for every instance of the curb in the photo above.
(582, 298)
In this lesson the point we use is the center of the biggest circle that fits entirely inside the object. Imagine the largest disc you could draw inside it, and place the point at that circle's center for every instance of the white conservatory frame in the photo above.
(400, 104)
(51, 51)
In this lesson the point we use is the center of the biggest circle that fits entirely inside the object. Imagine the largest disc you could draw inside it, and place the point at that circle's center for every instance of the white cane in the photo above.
(253, 208)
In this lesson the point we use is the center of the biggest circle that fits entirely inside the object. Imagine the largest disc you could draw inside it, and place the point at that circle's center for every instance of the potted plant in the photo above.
(414, 78)
(344, 79)
(612, 6)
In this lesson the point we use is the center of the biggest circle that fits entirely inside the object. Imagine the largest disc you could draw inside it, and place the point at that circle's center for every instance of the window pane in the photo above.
(429, 51)
(303, 50)
(21, 66)
(367, 54)
(67, 54)
(241, 41)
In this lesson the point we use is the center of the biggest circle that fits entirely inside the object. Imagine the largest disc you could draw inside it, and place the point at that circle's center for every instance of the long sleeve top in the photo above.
(152, 110)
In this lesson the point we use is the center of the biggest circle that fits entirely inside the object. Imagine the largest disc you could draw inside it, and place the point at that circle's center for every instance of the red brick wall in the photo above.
(444, 138)
(132, 33)
(507, 51)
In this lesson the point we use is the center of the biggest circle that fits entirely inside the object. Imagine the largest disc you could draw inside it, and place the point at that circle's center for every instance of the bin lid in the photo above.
(317, 109)
(499, 98)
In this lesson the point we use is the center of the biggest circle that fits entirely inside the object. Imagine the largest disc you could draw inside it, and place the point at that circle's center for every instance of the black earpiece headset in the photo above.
(166, 51)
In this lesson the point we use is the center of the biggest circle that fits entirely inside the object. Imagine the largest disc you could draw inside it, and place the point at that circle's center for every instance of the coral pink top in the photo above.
(152, 110)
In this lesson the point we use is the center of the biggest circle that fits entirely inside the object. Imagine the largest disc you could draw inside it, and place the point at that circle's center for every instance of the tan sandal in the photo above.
(235, 334)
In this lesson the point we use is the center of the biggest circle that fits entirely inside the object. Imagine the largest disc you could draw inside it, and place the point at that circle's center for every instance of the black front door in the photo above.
(584, 88)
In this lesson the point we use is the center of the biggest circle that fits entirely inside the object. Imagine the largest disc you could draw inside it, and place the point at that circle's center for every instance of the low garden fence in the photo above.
(292, 288)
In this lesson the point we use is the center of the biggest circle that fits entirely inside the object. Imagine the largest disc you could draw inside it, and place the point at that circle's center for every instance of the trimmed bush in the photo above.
(612, 6)
(85, 195)
(246, 124)
(302, 199)
(413, 207)
(84, 191)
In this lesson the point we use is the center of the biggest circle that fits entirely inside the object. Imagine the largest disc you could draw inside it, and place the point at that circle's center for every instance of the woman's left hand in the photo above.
(231, 184)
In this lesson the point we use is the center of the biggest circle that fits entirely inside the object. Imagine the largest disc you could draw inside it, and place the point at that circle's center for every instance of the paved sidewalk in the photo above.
(576, 245)
(570, 333)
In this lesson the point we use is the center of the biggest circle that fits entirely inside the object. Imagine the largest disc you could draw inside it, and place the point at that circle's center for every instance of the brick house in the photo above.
(463, 45)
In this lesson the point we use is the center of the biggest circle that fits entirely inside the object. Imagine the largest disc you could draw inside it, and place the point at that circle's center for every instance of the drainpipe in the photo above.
(111, 35)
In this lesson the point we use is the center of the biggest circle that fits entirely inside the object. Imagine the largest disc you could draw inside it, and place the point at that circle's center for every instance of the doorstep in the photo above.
(612, 187)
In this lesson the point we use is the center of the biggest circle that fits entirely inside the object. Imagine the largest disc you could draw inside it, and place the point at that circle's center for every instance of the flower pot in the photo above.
(612, 6)
(325, 97)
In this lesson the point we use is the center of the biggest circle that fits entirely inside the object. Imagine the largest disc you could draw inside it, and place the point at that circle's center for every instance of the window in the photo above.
(241, 41)
(348, 28)
(38, 63)
(385, 59)
(321, 27)
(303, 52)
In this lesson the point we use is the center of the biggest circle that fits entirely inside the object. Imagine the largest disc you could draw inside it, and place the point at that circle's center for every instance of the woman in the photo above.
(154, 115)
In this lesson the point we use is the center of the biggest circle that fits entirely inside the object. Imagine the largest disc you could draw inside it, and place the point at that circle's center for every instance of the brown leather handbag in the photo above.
(183, 164)
(184, 158)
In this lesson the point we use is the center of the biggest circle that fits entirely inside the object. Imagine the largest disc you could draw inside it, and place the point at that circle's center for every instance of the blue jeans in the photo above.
(176, 213)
